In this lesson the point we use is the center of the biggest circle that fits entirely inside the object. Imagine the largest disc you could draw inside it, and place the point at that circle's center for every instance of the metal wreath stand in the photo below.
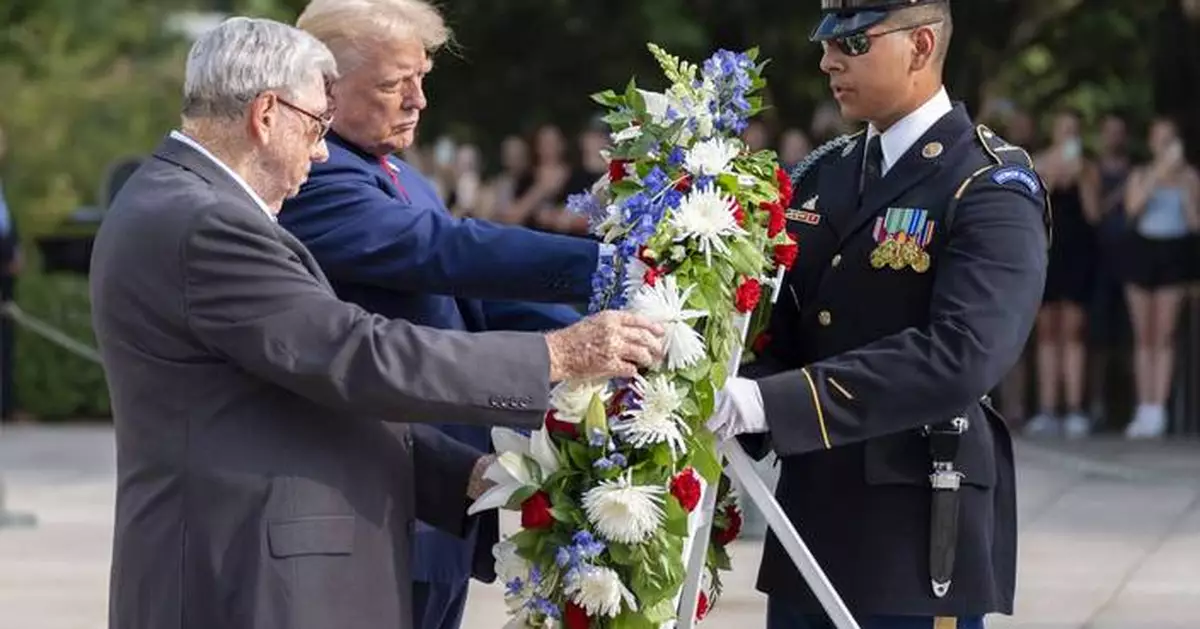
(739, 466)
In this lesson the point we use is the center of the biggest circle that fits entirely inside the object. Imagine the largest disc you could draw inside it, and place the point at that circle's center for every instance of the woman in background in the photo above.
(1163, 202)
(1061, 352)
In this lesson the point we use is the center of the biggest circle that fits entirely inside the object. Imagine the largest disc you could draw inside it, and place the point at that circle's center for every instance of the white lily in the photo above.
(521, 462)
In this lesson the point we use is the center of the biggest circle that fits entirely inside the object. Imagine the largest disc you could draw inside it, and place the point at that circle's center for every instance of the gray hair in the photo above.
(231, 65)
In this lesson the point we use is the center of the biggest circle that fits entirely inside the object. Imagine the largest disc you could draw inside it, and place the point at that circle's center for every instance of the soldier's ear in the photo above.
(924, 42)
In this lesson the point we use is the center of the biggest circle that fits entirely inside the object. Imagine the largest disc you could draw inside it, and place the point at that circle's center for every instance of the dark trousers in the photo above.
(7, 341)
(439, 605)
(781, 615)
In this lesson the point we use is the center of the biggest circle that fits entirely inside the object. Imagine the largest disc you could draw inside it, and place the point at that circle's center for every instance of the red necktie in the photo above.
(391, 171)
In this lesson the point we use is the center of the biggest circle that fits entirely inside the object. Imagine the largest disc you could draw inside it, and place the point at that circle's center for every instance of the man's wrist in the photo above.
(477, 484)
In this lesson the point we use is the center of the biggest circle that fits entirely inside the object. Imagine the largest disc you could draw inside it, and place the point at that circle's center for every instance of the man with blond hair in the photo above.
(379, 230)
(267, 472)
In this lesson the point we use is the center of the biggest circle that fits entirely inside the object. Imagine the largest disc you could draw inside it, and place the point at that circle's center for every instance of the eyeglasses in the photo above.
(859, 44)
(324, 121)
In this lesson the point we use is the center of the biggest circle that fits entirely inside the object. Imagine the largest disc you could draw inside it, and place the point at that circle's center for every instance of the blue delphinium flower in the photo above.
(544, 607)
(676, 156)
(597, 438)
(514, 587)
(618, 459)
(586, 204)
(655, 180)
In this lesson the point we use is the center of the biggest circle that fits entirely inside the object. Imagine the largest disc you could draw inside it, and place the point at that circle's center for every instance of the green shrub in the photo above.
(51, 382)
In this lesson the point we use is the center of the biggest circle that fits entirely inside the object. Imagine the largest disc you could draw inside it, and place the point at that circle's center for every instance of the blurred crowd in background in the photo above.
(1125, 259)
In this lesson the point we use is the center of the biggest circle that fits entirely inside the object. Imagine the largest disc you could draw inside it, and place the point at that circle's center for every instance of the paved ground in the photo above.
(1110, 537)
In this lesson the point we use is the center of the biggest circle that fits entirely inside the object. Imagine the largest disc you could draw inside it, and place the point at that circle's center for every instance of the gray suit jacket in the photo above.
(258, 487)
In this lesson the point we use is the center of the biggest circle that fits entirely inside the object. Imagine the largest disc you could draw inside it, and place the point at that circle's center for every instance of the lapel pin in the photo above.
(932, 150)
(810, 204)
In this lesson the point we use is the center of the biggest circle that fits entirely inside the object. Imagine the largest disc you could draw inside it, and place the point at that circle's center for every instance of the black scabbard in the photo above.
(943, 515)
(943, 536)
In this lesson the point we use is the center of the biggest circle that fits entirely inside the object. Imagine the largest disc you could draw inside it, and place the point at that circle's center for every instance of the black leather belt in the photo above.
(944, 480)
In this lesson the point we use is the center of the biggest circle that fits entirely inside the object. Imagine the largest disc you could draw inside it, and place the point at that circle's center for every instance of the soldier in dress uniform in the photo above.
(923, 251)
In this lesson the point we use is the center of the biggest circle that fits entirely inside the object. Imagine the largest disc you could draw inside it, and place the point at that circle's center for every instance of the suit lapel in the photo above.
(922, 160)
(303, 253)
(837, 187)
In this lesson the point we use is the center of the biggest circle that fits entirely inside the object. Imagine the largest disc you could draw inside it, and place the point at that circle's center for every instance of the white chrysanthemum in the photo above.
(658, 419)
(570, 399)
(624, 512)
(635, 275)
(600, 592)
(663, 304)
(707, 216)
(520, 462)
(710, 157)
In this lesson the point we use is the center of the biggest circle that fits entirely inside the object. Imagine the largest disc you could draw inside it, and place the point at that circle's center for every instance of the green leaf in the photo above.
(526, 541)
(632, 620)
(607, 98)
(746, 259)
(519, 497)
(705, 458)
(579, 455)
(705, 397)
(676, 519)
(620, 553)
(718, 375)
(661, 455)
(660, 612)
(562, 515)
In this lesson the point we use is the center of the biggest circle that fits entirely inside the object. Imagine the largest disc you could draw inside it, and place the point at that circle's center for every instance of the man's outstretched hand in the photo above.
(607, 344)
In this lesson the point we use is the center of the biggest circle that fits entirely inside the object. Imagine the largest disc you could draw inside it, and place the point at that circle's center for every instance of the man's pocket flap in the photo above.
(312, 535)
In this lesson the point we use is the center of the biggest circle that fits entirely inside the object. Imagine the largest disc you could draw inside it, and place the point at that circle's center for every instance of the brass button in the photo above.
(824, 318)
(837, 260)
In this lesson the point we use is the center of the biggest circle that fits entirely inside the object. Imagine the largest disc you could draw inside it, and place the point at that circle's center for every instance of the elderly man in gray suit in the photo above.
(265, 479)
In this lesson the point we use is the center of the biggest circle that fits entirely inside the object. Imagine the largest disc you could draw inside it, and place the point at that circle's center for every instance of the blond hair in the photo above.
(350, 27)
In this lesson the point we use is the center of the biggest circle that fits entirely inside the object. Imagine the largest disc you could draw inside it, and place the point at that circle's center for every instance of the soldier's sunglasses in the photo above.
(859, 43)
(324, 122)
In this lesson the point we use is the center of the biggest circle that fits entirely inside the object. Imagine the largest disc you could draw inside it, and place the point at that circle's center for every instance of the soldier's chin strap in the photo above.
(945, 480)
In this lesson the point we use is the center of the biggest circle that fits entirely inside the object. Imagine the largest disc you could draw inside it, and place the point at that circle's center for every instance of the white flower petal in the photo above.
(517, 465)
(706, 215)
(493, 498)
(542, 450)
(600, 592)
(509, 440)
(623, 512)
(710, 157)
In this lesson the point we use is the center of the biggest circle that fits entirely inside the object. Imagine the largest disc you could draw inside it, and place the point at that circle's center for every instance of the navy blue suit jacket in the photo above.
(391, 247)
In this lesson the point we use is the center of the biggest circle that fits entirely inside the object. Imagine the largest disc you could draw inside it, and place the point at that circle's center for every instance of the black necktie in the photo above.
(873, 166)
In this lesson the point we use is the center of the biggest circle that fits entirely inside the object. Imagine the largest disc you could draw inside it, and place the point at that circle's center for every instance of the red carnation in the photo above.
(724, 536)
(747, 295)
(575, 617)
(616, 170)
(785, 186)
(686, 487)
(535, 512)
(702, 607)
(776, 218)
(684, 184)
(785, 255)
(651, 276)
(739, 214)
(555, 425)
(761, 343)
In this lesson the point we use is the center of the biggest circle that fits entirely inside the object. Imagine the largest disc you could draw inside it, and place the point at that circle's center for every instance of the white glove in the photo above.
(738, 410)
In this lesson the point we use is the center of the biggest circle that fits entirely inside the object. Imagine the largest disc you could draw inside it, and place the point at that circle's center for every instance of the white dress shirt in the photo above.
(739, 407)
(901, 136)
(176, 135)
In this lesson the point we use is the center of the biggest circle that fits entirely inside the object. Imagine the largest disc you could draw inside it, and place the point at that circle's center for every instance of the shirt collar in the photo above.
(901, 136)
(176, 135)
